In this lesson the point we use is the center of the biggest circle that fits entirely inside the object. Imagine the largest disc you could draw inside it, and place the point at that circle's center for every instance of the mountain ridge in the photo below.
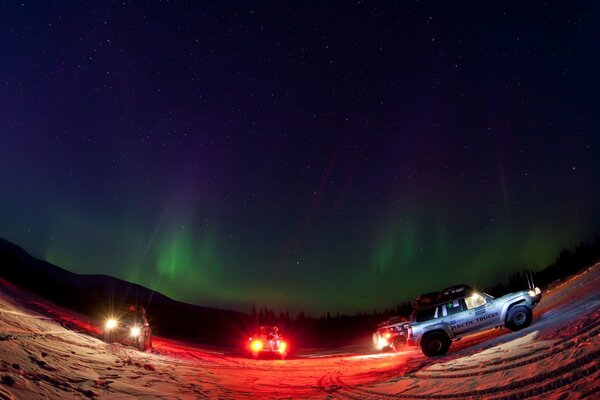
(110, 294)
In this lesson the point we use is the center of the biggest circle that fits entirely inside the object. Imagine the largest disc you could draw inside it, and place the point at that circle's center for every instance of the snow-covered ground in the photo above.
(45, 355)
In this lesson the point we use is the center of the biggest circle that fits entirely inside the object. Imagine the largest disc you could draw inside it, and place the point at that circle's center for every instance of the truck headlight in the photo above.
(111, 324)
(382, 342)
(135, 331)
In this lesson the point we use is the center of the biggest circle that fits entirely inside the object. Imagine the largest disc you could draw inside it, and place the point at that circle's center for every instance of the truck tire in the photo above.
(435, 344)
(399, 343)
(518, 317)
(145, 342)
(375, 338)
(142, 342)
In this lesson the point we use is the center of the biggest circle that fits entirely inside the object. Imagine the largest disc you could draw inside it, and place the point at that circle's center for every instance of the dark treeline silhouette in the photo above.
(568, 262)
(327, 330)
(94, 295)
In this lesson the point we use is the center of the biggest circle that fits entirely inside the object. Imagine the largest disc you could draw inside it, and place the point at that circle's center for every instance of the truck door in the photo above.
(492, 312)
(482, 311)
(458, 316)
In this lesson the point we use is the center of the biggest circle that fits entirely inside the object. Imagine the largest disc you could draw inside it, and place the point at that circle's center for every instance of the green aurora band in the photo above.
(199, 266)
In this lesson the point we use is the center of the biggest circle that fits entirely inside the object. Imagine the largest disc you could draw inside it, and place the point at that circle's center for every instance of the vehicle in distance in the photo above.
(267, 340)
(439, 318)
(391, 334)
(131, 328)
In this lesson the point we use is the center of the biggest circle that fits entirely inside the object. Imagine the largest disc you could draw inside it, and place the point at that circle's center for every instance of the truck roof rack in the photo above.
(456, 292)
(434, 298)
(427, 300)
(392, 320)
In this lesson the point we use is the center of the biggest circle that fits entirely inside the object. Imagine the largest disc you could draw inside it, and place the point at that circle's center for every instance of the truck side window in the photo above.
(426, 314)
(474, 300)
(444, 311)
(454, 307)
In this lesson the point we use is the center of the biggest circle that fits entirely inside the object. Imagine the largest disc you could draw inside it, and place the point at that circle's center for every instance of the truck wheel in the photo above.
(435, 344)
(518, 317)
(149, 341)
(145, 342)
(141, 343)
(399, 343)
(375, 338)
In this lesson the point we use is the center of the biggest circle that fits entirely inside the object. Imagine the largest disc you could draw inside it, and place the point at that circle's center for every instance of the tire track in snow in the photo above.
(531, 358)
(3, 311)
(558, 378)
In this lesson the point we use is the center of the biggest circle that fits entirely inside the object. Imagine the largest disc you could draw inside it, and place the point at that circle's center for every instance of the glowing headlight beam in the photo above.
(135, 331)
(381, 343)
(110, 324)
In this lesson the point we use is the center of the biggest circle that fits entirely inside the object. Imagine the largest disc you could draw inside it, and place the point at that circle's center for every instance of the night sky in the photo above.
(325, 156)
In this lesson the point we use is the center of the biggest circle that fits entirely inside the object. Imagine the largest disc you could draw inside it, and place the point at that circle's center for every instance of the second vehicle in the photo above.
(267, 340)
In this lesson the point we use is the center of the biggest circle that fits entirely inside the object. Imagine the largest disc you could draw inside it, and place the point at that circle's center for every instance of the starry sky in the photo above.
(318, 156)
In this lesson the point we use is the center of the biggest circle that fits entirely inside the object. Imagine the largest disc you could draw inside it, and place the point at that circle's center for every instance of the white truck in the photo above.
(439, 318)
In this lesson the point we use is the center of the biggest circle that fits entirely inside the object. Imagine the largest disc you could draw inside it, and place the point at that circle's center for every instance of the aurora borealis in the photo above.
(318, 157)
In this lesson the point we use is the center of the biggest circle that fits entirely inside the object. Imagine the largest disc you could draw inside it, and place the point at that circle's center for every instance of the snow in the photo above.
(51, 353)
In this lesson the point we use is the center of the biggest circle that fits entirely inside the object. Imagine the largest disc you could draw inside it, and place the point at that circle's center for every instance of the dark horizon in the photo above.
(318, 157)
(567, 263)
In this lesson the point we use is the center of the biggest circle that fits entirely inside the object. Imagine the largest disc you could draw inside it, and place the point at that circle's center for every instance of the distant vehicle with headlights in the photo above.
(391, 334)
(131, 328)
(441, 317)
(267, 341)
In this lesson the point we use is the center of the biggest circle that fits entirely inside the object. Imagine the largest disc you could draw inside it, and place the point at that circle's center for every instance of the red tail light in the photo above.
(282, 347)
(257, 345)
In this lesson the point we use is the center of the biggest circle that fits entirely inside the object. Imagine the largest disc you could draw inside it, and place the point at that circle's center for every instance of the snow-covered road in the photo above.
(555, 358)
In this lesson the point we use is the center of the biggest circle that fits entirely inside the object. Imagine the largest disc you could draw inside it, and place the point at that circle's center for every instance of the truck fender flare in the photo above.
(442, 327)
(507, 307)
